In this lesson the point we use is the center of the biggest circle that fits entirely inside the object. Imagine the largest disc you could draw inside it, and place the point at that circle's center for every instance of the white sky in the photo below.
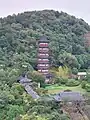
(78, 8)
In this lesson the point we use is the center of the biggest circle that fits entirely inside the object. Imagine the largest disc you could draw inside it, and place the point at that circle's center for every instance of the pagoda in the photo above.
(43, 56)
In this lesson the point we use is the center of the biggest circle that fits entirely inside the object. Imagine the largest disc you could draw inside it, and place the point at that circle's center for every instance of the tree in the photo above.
(68, 60)
(75, 71)
(14, 111)
(37, 77)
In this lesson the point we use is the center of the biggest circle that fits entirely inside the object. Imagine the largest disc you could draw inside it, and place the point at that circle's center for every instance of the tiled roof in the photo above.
(68, 96)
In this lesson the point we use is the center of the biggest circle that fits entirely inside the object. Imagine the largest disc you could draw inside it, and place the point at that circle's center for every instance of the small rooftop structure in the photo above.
(23, 79)
(68, 96)
(81, 75)
(43, 39)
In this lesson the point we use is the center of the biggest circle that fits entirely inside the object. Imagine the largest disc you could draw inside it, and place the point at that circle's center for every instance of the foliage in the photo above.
(61, 80)
(19, 33)
(41, 91)
(18, 54)
(72, 82)
(88, 75)
(37, 77)
(83, 84)
(87, 87)
(74, 71)
(68, 60)
(61, 72)
(14, 111)
(32, 117)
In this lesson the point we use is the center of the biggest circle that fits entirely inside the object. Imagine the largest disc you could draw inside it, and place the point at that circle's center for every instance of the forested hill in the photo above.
(18, 35)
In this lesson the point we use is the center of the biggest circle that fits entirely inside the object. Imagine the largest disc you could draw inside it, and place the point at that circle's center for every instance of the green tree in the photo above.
(14, 111)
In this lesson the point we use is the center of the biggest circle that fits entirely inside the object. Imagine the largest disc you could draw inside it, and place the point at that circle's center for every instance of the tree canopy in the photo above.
(18, 53)
(19, 34)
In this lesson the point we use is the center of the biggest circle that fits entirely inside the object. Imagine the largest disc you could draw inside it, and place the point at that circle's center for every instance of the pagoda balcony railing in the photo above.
(41, 62)
(43, 56)
(43, 51)
(45, 73)
(43, 46)
(43, 65)
(46, 67)
(42, 71)
(43, 43)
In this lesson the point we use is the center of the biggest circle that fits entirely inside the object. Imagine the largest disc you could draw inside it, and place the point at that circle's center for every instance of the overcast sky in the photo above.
(78, 8)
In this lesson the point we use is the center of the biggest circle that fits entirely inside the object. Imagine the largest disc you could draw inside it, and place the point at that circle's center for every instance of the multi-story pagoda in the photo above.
(43, 56)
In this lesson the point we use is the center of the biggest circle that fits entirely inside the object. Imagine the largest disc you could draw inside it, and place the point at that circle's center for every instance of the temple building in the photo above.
(43, 56)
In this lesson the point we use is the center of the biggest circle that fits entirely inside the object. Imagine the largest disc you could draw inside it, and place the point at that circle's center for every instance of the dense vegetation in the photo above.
(19, 33)
(18, 49)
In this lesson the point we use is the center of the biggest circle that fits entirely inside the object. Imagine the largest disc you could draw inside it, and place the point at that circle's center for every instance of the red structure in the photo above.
(43, 56)
(87, 39)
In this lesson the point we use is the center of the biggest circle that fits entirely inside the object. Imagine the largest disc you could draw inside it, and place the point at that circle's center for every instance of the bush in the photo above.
(60, 80)
(18, 87)
(75, 71)
(88, 77)
(83, 84)
(64, 81)
(41, 91)
(72, 82)
(87, 87)
(37, 77)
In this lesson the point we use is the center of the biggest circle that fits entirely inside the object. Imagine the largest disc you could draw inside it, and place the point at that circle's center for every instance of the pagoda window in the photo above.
(45, 49)
(43, 54)
(43, 44)
(45, 60)
(44, 70)
(41, 65)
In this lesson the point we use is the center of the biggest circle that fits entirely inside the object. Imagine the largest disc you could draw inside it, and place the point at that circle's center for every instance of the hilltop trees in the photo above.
(18, 36)
(18, 54)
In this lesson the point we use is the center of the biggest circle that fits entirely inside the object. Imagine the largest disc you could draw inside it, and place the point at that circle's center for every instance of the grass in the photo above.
(52, 89)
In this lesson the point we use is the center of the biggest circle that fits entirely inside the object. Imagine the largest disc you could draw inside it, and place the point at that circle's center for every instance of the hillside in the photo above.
(18, 35)
(18, 51)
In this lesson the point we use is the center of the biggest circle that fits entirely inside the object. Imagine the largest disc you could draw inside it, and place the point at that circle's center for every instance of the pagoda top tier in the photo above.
(43, 39)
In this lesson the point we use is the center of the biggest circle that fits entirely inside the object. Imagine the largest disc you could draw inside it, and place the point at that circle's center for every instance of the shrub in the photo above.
(41, 91)
(61, 80)
(75, 71)
(83, 84)
(88, 77)
(37, 77)
(57, 80)
(72, 82)
(18, 87)
(87, 87)
(64, 81)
